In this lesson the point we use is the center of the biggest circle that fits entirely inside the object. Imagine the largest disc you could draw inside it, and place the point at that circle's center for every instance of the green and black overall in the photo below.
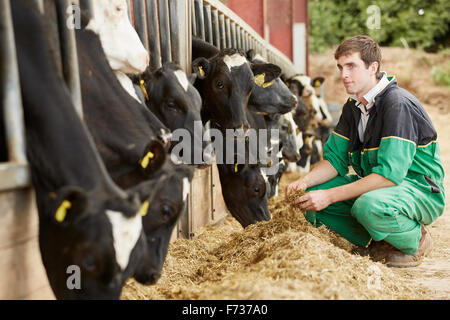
(399, 144)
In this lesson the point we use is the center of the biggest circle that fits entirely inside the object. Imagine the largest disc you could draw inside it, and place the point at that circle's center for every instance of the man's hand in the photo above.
(296, 185)
(314, 200)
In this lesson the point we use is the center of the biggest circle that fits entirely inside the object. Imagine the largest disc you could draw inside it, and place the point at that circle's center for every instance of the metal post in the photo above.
(16, 173)
(69, 55)
(140, 23)
(238, 37)
(233, 35)
(216, 28)
(180, 34)
(164, 29)
(228, 32)
(208, 24)
(199, 19)
(130, 11)
(193, 20)
(153, 35)
(223, 41)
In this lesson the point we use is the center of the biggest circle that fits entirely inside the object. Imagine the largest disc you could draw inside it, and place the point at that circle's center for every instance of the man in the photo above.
(387, 137)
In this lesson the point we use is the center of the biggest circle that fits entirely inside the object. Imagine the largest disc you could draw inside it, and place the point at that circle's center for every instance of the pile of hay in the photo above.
(284, 258)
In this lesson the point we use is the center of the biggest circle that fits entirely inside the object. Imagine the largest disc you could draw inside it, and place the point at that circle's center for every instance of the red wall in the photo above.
(251, 11)
(279, 19)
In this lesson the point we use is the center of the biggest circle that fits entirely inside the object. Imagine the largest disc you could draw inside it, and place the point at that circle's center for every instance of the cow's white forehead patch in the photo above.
(126, 233)
(236, 60)
(299, 140)
(259, 57)
(264, 175)
(304, 80)
(186, 188)
(182, 79)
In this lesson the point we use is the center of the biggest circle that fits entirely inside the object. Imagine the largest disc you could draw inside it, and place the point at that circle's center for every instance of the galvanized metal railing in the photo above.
(15, 173)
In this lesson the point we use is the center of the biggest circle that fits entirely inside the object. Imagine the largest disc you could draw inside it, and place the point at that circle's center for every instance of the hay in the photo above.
(284, 258)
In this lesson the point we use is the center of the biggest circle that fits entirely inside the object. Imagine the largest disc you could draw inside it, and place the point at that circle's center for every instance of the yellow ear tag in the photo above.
(61, 212)
(146, 160)
(267, 84)
(200, 69)
(236, 168)
(288, 84)
(270, 164)
(144, 209)
(259, 79)
(317, 84)
(144, 91)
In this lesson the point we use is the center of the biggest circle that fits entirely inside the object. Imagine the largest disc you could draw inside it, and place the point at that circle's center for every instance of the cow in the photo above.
(121, 127)
(245, 190)
(300, 85)
(273, 97)
(169, 94)
(225, 82)
(86, 222)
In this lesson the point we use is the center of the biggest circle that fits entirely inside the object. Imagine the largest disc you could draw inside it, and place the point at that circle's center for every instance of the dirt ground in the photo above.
(412, 70)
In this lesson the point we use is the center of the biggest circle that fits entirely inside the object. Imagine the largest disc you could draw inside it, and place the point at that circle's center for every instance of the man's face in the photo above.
(357, 79)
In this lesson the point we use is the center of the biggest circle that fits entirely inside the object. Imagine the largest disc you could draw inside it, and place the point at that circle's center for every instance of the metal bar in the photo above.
(208, 24)
(140, 23)
(181, 34)
(40, 4)
(69, 55)
(228, 32)
(198, 4)
(223, 41)
(238, 37)
(164, 30)
(216, 28)
(193, 20)
(153, 35)
(16, 174)
(233, 35)
(130, 11)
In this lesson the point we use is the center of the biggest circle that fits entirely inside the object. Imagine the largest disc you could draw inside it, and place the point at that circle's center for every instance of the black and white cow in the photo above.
(85, 221)
(169, 94)
(225, 82)
(121, 127)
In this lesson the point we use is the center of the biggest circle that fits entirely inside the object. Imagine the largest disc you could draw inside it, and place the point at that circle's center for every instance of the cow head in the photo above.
(245, 189)
(171, 187)
(291, 138)
(119, 39)
(95, 235)
(300, 85)
(170, 95)
(225, 83)
(272, 97)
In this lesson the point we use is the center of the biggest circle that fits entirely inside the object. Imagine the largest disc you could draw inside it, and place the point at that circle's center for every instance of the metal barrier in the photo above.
(15, 173)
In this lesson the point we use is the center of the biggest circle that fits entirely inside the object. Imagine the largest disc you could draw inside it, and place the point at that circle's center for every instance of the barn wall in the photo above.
(23, 274)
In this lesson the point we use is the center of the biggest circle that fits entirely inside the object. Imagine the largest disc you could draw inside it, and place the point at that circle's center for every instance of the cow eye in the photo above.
(257, 190)
(172, 105)
(120, 8)
(219, 84)
(167, 212)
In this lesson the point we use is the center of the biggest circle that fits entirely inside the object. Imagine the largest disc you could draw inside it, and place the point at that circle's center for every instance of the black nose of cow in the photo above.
(147, 278)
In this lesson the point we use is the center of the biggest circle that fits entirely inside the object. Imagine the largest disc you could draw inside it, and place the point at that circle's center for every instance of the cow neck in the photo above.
(59, 149)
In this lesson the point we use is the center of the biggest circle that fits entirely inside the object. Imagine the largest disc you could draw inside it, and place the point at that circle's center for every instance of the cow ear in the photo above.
(317, 82)
(71, 202)
(192, 77)
(201, 67)
(153, 157)
(250, 54)
(265, 73)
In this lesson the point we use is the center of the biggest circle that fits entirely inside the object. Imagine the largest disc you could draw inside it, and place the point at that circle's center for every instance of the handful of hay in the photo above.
(284, 258)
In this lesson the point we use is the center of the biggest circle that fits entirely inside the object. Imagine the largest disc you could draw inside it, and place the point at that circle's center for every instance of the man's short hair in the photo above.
(368, 49)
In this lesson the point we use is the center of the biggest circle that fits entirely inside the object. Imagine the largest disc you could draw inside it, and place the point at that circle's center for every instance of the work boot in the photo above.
(398, 259)
(378, 250)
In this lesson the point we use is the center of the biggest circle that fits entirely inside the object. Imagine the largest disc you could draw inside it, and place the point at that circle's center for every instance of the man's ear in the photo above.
(265, 73)
(70, 203)
(201, 67)
(317, 82)
(192, 77)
